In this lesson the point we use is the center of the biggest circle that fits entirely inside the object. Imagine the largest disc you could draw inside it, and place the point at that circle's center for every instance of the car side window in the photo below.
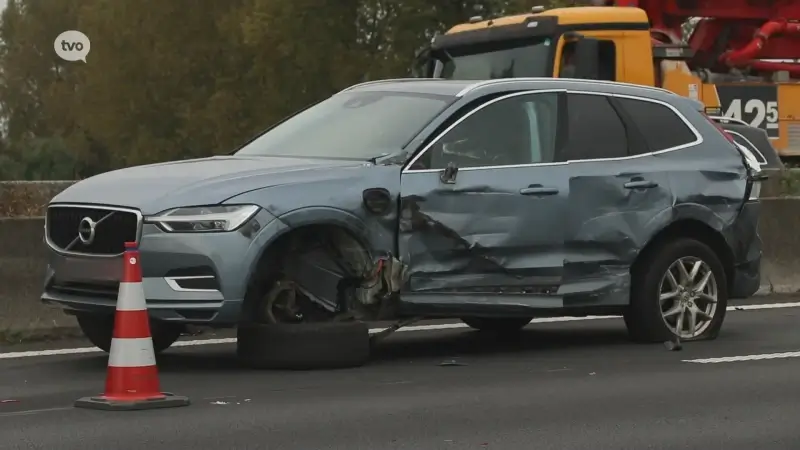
(661, 127)
(595, 130)
(510, 131)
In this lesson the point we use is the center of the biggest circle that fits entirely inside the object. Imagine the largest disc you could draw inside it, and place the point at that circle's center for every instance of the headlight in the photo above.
(201, 219)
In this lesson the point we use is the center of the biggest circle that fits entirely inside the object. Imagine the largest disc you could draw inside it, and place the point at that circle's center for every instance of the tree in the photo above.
(192, 78)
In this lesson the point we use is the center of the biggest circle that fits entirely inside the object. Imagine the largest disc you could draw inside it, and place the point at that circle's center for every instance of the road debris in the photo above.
(674, 346)
(451, 362)
(219, 402)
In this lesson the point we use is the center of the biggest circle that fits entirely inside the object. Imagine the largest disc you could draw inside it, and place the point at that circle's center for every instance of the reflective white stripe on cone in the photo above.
(132, 352)
(131, 297)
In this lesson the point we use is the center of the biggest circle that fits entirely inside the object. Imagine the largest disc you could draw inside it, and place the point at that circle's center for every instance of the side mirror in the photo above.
(448, 175)
(587, 58)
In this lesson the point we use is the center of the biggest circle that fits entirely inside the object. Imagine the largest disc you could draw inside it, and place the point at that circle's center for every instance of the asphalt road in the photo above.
(568, 385)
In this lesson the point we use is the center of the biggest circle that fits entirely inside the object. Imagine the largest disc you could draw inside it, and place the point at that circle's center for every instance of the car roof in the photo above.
(438, 86)
(476, 88)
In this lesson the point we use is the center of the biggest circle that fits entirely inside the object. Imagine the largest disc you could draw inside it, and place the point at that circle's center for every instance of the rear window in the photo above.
(662, 128)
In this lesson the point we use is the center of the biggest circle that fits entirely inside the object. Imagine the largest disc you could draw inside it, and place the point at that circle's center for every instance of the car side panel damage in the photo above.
(608, 223)
(714, 197)
(480, 236)
(336, 256)
(465, 241)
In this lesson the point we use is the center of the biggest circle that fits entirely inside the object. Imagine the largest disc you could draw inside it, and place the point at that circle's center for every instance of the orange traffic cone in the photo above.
(132, 377)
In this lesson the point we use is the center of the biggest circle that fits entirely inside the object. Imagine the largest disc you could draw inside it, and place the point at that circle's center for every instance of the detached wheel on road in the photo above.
(303, 346)
(497, 325)
(679, 290)
(100, 328)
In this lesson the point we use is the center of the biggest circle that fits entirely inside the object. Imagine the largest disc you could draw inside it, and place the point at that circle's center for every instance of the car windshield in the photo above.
(507, 60)
(350, 125)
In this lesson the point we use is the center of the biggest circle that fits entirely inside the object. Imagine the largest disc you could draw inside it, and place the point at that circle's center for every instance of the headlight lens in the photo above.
(204, 219)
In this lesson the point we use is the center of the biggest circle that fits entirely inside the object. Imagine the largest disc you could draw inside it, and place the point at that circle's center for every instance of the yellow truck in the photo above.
(634, 45)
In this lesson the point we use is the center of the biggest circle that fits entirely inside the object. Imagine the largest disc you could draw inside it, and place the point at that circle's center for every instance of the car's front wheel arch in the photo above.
(265, 270)
(280, 326)
(300, 219)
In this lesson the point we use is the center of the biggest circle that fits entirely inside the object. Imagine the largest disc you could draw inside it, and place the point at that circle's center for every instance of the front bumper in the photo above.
(187, 278)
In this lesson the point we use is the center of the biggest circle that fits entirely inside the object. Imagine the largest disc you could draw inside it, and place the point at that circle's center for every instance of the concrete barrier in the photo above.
(22, 269)
(779, 228)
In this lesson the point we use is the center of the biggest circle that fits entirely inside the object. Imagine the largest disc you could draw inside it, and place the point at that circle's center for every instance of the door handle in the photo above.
(538, 189)
(640, 184)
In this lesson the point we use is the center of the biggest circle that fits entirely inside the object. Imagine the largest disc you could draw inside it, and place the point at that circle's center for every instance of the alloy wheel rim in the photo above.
(688, 297)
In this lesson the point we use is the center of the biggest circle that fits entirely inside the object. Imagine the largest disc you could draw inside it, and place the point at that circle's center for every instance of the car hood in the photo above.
(156, 187)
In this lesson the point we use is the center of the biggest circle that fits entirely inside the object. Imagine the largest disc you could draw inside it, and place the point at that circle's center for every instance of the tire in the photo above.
(303, 346)
(644, 318)
(497, 325)
(100, 328)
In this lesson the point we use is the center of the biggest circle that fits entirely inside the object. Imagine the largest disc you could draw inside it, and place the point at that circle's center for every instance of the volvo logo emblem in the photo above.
(86, 230)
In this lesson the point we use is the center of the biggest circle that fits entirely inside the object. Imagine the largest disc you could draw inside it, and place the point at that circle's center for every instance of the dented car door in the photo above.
(620, 193)
(482, 206)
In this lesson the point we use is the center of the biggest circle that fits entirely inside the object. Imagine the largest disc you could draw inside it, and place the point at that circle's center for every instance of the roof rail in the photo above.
(388, 80)
(728, 120)
(484, 83)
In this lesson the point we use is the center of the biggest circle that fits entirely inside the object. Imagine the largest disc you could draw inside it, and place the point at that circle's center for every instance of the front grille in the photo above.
(114, 228)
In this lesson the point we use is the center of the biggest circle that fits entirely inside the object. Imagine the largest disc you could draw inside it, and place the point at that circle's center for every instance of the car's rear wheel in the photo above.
(678, 291)
(497, 325)
(99, 329)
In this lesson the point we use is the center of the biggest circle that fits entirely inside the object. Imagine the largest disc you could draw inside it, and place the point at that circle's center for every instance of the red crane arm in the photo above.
(730, 33)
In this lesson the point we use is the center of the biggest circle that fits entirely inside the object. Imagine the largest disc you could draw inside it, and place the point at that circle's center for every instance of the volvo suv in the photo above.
(491, 202)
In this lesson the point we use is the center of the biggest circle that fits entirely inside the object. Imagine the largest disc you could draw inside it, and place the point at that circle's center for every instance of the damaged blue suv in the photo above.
(491, 202)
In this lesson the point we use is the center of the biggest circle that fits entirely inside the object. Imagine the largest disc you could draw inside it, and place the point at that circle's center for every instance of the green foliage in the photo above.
(191, 78)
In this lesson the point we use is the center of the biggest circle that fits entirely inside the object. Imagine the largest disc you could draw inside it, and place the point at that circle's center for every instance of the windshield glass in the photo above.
(350, 125)
(505, 60)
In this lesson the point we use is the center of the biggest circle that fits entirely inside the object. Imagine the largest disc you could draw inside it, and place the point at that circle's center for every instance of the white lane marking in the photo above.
(436, 327)
(29, 412)
(727, 359)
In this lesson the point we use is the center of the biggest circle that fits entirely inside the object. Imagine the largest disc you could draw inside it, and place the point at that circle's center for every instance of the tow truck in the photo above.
(734, 60)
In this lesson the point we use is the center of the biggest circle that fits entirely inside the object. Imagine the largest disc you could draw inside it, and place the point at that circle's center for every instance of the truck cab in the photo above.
(616, 44)
(600, 43)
